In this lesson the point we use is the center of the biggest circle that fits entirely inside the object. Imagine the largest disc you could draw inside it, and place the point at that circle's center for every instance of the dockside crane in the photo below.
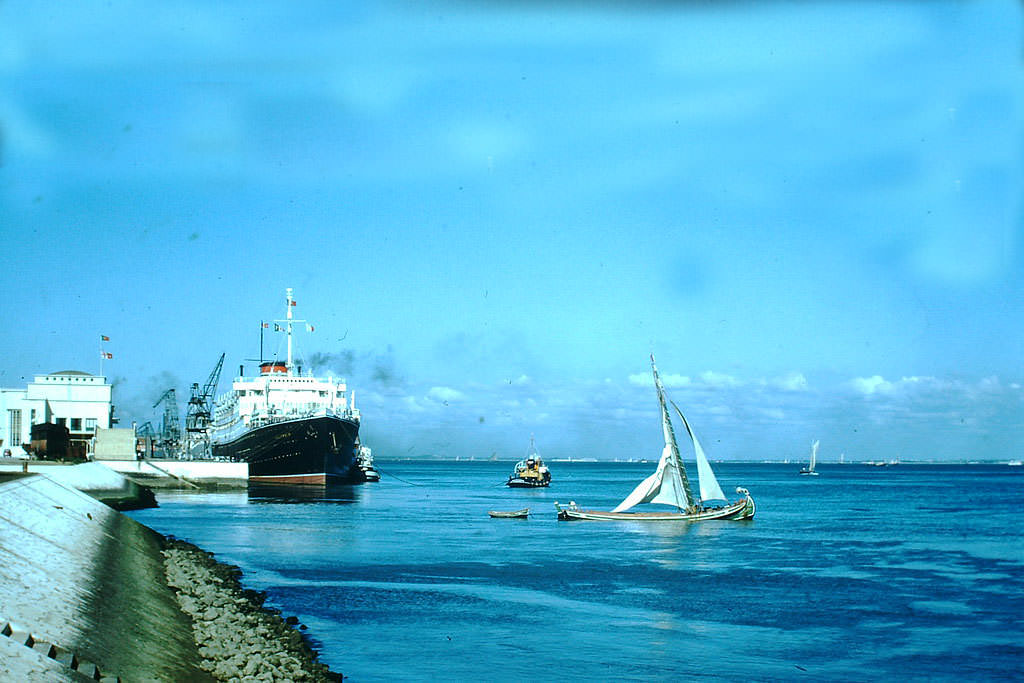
(170, 428)
(200, 413)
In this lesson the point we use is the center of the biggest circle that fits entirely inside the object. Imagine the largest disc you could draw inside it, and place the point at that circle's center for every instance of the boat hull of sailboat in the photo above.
(741, 509)
(810, 473)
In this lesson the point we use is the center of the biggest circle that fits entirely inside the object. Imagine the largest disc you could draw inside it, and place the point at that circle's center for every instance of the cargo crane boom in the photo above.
(200, 414)
(200, 405)
(170, 428)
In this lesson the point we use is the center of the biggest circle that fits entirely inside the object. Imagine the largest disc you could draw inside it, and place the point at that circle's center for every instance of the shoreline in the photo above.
(237, 636)
(88, 589)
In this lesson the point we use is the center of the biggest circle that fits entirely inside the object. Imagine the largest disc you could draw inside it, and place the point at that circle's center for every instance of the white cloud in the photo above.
(646, 379)
(708, 379)
(920, 385)
(794, 381)
(412, 405)
(718, 380)
(445, 394)
(875, 384)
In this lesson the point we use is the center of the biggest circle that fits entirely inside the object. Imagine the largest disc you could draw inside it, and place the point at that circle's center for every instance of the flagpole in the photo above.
(103, 352)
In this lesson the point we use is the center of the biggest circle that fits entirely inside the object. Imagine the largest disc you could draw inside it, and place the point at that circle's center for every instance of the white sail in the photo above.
(814, 455)
(709, 487)
(668, 484)
(664, 486)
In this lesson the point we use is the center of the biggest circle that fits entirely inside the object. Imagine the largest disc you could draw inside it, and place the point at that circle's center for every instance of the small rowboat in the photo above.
(515, 514)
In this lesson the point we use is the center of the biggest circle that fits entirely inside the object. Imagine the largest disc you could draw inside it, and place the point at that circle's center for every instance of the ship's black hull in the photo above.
(315, 450)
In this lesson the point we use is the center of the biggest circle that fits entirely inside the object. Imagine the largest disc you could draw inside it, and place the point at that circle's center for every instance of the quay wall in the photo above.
(79, 575)
(201, 472)
(93, 478)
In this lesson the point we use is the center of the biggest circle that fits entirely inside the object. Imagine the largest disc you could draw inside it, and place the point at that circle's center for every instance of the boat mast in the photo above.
(670, 435)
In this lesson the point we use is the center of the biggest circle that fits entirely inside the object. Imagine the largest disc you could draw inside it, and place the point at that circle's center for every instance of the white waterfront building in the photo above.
(77, 400)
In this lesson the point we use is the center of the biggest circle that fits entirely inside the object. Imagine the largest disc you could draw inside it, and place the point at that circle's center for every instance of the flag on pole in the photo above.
(293, 302)
(108, 356)
(104, 337)
(266, 326)
(309, 328)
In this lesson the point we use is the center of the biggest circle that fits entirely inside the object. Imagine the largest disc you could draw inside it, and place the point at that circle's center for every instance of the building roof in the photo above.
(72, 372)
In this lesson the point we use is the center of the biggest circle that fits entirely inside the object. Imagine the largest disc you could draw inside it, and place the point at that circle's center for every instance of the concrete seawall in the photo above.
(183, 473)
(76, 574)
(93, 478)
(87, 593)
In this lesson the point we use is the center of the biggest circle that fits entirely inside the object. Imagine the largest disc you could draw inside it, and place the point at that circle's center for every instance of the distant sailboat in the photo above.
(669, 484)
(814, 459)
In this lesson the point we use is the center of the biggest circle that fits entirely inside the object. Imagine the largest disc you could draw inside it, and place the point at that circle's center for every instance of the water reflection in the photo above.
(283, 493)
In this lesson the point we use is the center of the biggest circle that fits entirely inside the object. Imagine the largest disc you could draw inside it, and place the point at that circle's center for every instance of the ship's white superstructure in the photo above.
(275, 396)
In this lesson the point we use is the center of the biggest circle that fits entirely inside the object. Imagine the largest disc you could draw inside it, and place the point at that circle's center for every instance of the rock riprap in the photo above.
(238, 639)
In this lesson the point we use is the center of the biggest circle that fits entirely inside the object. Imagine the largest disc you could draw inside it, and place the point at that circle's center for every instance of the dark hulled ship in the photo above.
(290, 428)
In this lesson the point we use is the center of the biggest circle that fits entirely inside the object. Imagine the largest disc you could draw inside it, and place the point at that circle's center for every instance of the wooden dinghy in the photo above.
(514, 514)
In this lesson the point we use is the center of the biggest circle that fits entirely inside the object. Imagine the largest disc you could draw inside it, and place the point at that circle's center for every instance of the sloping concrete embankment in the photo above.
(77, 574)
(93, 478)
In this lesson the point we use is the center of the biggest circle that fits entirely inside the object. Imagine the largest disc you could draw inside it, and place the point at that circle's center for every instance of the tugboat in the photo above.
(291, 428)
(364, 460)
(531, 472)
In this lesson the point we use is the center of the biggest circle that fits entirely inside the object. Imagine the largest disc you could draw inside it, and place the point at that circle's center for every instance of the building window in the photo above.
(90, 424)
(76, 424)
(62, 421)
(32, 416)
(14, 424)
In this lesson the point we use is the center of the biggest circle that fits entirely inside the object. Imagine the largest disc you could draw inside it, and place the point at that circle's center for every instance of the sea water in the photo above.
(861, 573)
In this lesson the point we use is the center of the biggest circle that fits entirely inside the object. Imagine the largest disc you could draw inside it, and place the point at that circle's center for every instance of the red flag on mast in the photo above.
(104, 337)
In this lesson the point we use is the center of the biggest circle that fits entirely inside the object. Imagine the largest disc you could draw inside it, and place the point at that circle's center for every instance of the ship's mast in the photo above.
(289, 323)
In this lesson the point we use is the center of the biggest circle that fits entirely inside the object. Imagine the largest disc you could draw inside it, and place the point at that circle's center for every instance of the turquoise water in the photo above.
(908, 571)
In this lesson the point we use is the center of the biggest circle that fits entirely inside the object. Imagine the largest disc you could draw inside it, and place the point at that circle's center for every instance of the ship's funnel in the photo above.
(272, 367)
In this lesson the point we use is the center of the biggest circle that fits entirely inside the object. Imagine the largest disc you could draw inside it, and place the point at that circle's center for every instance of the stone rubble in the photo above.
(238, 639)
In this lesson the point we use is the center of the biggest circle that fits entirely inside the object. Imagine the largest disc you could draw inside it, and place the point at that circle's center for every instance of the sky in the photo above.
(493, 213)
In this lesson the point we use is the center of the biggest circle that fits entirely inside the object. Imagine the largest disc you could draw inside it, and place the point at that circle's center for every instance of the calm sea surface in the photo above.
(862, 573)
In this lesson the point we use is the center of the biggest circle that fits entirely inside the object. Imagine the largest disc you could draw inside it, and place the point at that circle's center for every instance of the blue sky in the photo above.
(493, 212)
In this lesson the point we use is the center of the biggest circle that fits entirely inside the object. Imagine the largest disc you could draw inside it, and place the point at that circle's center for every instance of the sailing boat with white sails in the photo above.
(814, 459)
(669, 484)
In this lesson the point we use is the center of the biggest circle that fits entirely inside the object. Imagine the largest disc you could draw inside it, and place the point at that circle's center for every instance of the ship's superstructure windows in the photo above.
(90, 424)
(76, 424)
